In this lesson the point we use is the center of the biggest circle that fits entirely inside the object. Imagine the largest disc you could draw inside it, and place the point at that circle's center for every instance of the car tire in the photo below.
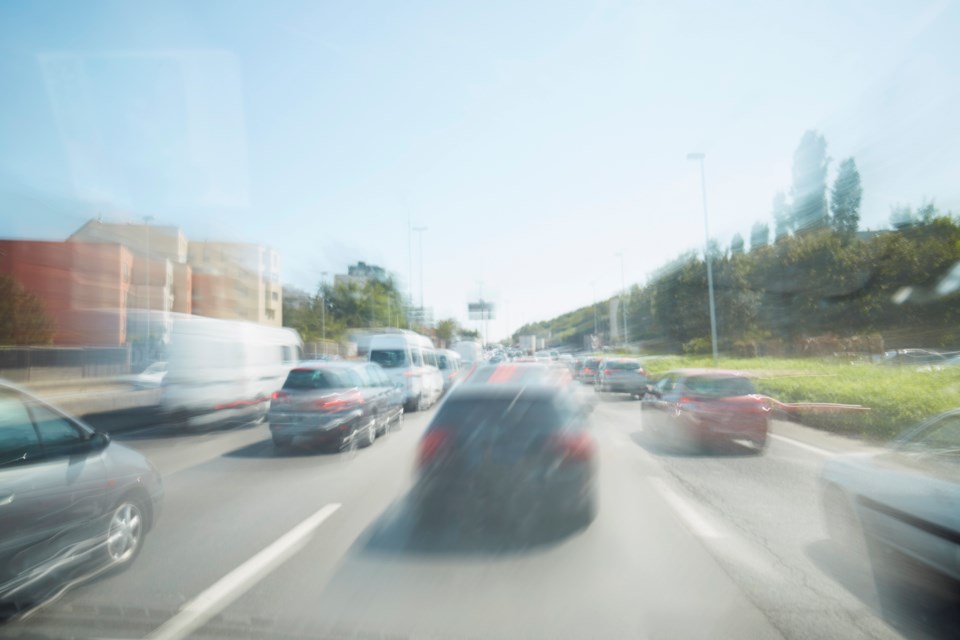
(421, 403)
(398, 421)
(370, 434)
(125, 531)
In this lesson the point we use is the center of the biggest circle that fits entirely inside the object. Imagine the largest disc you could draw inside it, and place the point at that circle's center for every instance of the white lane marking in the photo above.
(696, 522)
(803, 445)
(215, 598)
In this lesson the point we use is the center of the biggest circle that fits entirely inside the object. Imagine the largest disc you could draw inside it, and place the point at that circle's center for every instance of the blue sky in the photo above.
(535, 140)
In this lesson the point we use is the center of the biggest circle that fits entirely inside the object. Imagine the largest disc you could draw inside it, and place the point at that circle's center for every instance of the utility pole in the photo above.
(706, 254)
(323, 310)
(623, 304)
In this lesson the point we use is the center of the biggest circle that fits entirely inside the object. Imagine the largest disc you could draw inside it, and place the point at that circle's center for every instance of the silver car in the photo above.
(905, 499)
(72, 503)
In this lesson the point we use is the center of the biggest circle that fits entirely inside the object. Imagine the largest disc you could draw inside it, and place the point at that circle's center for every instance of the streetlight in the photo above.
(623, 306)
(146, 221)
(420, 230)
(596, 317)
(323, 311)
(706, 253)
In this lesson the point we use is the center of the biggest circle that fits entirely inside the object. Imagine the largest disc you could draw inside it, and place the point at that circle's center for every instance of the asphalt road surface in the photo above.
(255, 543)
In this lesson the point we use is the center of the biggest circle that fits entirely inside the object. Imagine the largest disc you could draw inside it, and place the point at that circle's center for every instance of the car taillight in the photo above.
(587, 370)
(579, 447)
(432, 446)
(687, 404)
(607, 372)
(642, 372)
(279, 396)
(409, 373)
(339, 402)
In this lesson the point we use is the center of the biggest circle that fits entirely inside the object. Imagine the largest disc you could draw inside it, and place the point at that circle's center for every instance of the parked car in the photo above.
(517, 449)
(72, 503)
(904, 500)
(334, 405)
(450, 367)
(587, 374)
(697, 408)
(410, 361)
(621, 375)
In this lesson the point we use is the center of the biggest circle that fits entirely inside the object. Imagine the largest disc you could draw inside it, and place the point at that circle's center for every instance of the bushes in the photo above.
(898, 397)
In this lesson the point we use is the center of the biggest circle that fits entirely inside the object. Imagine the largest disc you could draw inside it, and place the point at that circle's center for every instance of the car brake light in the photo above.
(279, 396)
(432, 446)
(353, 397)
(587, 370)
(574, 446)
(607, 372)
(409, 373)
(686, 403)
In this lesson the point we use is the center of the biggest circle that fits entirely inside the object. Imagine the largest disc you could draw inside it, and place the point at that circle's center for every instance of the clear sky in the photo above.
(534, 140)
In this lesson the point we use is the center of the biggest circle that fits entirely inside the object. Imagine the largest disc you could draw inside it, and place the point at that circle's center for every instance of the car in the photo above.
(902, 501)
(587, 374)
(450, 366)
(699, 408)
(513, 444)
(73, 504)
(621, 375)
(410, 361)
(334, 406)
(471, 352)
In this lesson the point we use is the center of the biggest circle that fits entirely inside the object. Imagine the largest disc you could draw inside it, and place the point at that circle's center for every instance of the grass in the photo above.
(897, 397)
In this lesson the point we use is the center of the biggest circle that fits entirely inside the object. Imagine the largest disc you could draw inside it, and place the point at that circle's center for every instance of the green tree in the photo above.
(845, 199)
(759, 235)
(736, 244)
(809, 189)
(446, 330)
(23, 318)
(782, 217)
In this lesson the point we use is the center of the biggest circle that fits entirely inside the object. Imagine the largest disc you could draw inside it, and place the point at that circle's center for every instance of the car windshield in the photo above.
(389, 358)
(261, 259)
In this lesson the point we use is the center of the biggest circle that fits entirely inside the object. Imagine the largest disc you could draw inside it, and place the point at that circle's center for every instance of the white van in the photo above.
(471, 353)
(222, 369)
(410, 360)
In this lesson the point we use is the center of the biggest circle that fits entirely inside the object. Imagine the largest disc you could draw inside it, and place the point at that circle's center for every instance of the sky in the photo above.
(537, 142)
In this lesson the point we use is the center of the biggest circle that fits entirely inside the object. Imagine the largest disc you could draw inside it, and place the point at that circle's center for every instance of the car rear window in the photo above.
(592, 363)
(467, 416)
(624, 366)
(316, 379)
(389, 358)
(720, 386)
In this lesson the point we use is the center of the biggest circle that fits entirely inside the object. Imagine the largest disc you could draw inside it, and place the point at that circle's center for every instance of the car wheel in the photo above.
(125, 531)
(398, 421)
(370, 434)
(421, 403)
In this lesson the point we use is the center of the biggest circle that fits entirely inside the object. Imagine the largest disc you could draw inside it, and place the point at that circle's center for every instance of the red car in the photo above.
(697, 408)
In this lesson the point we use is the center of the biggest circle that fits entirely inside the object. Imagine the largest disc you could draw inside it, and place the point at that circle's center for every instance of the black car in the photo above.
(72, 503)
(334, 405)
(519, 451)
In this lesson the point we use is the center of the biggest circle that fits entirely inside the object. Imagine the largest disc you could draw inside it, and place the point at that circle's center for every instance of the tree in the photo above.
(782, 217)
(736, 244)
(759, 235)
(446, 330)
(845, 199)
(809, 189)
(23, 318)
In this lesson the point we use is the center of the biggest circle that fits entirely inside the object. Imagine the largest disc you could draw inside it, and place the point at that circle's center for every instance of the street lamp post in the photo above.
(323, 311)
(706, 253)
(623, 305)
(146, 221)
(420, 231)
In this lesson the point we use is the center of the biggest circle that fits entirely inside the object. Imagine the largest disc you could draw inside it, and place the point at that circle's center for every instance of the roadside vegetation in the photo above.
(896, 397)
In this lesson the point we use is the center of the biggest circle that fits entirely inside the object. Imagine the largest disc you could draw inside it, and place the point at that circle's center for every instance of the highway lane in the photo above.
(684, 546)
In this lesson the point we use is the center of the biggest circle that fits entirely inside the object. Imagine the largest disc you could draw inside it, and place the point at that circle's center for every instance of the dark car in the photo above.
(906, 500)
(72, 503)
(516, 451)
(334, 405)
(587, 373)
(697, 408)
(621, 375)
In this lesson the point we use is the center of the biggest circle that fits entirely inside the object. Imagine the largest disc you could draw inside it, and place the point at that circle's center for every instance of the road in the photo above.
(255, 543)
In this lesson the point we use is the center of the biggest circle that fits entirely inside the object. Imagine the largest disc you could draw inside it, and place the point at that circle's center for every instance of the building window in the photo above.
(275, 295)
(271, 314)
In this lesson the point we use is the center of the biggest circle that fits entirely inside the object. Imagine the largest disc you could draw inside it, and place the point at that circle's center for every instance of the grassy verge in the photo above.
(898, 397)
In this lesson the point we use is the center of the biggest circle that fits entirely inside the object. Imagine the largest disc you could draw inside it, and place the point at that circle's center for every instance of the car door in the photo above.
(912, 499)
(52, 496)
(378, 394)
(655, 404)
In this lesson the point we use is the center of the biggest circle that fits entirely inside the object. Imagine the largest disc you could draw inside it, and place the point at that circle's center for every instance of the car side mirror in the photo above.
(656, 393)
(99, 440)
